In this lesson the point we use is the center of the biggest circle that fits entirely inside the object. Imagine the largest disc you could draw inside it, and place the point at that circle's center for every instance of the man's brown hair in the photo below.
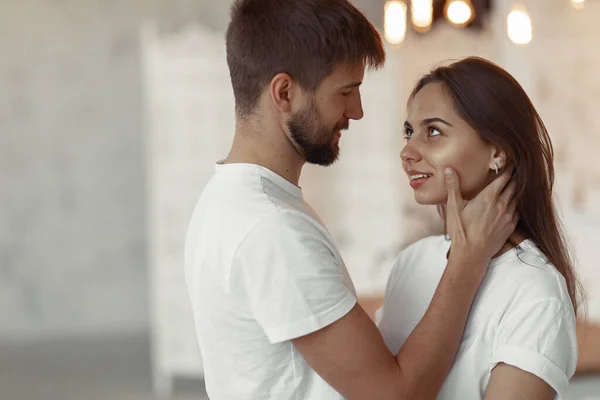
(303, 38)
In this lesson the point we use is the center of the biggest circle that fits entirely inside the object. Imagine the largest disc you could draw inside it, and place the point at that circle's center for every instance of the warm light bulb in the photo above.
(518, 26)
(577, 4)
(394, 24)
(421, 14)
(459, 12)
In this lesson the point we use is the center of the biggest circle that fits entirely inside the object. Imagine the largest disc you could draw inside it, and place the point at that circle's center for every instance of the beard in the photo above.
(315, 140)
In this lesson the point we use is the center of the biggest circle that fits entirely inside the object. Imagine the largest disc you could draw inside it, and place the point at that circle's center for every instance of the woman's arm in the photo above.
(508, 382)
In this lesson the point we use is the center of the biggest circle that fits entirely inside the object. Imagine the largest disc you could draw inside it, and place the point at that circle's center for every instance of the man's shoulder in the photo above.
(288, 222)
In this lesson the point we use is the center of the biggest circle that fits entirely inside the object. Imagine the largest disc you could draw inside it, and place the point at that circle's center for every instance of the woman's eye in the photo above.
(407, 133)
(434, 132)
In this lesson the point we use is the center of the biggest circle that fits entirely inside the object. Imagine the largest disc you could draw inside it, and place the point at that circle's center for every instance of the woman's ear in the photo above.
(497, 159)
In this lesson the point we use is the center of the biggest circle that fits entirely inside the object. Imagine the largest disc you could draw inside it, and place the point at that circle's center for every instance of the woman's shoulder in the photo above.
(531, 274)
(426, 244)
(429, 251)
(416, 273)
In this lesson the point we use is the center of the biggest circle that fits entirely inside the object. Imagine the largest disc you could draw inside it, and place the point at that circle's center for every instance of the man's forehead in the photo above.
(347, 74)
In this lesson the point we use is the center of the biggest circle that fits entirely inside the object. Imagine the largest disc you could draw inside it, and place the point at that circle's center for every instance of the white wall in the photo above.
(72, 227)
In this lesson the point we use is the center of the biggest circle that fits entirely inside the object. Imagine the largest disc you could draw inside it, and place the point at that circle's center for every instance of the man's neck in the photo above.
(262, 146)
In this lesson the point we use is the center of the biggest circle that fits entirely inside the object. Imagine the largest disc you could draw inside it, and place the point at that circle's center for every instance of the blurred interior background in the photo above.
(112, 114)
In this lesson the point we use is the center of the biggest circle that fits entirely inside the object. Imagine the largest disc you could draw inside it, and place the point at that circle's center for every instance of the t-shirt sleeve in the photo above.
(540, 338)
(294, 281)
(399, 314)
(389, 287)
(379, 316)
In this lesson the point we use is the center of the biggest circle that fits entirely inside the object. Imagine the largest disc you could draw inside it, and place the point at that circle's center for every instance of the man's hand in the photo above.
(480, 227)
(350, 354)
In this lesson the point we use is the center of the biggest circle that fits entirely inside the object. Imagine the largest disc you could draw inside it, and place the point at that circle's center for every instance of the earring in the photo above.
(496, 168)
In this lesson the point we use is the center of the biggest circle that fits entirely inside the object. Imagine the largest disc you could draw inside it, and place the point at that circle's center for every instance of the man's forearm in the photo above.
(427, 355)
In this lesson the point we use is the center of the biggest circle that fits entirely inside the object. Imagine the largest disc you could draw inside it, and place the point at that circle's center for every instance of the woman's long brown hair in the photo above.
(497, 107)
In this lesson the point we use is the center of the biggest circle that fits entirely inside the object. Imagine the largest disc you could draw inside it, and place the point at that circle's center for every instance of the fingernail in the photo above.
(448, 172)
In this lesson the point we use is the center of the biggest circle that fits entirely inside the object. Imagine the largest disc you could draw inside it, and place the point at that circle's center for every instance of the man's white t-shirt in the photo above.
(522, 316)
(261, 269)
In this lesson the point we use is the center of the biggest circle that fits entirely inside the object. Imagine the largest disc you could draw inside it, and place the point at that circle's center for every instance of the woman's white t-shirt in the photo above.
(522, 316)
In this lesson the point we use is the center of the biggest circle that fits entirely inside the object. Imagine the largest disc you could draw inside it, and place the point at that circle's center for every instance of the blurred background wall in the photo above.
(72, 181)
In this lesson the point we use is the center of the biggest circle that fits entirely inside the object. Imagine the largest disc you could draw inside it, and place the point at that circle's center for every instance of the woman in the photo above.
(519, 341)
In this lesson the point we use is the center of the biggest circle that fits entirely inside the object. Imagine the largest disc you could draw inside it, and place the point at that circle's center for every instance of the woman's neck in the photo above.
(514, 240)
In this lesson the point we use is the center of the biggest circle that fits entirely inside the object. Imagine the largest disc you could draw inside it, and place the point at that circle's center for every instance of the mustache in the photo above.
(342, 127)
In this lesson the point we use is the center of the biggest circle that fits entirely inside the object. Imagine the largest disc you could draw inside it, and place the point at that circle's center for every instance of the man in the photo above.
(274, 306)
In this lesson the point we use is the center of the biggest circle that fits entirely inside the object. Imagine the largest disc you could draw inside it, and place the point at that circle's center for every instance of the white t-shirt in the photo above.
(521, 316)
(261, 269)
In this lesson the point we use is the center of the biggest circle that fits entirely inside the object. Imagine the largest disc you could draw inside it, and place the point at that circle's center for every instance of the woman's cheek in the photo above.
(446, 156)
(464, 163)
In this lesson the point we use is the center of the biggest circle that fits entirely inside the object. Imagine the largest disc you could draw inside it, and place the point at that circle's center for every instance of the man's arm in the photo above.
(350, 353)
(508, 382)
(371, 305)
(351, 356)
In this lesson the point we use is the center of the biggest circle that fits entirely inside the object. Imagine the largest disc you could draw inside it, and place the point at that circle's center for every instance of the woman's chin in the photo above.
(426, 199)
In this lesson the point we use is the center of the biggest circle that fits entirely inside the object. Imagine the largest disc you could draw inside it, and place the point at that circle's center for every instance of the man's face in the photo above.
(317, 127)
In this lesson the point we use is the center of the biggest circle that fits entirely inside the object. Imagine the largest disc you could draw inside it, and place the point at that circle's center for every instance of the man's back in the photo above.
(261, 270)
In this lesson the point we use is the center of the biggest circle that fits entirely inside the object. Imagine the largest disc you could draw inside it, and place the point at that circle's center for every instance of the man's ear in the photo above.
(283, 91)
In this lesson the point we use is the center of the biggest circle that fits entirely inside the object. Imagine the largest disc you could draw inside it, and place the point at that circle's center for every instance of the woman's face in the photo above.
(436, 138)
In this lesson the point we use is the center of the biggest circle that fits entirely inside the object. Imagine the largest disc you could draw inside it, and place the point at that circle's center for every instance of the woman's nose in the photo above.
(410, 153)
